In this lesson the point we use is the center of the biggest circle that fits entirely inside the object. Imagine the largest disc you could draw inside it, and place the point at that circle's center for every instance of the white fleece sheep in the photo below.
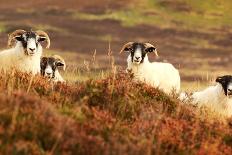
(157, 74)
(25, 55)
(217, 98)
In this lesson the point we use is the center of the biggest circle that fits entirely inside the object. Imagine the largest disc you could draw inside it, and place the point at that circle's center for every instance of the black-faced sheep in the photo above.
(157, 74)
(218, 97)
(25, 51)
(49, 67)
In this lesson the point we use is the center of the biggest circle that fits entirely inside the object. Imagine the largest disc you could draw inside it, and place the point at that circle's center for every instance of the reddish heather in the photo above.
(107, 116)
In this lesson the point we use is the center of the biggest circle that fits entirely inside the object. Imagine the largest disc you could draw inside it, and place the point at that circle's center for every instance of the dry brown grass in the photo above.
(106, 116)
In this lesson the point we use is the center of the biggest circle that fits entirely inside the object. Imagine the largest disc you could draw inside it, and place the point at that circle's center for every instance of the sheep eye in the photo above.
(41, 39)
(129, 49)
(19, 38)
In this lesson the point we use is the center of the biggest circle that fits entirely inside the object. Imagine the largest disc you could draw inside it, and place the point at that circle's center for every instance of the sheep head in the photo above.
(49, 65)
(138, 51)
(29, 40)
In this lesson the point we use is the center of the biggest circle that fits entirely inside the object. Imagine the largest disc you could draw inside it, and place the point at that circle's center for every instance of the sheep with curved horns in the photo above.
(157, 74)
(25, 52)
(49, 67)
(218, 97)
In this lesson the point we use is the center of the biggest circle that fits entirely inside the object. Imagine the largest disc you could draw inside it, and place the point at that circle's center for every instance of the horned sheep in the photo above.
(25, 51)
(157, 74)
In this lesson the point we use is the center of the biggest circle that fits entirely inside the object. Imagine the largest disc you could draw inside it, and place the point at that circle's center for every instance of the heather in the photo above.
(113, 115)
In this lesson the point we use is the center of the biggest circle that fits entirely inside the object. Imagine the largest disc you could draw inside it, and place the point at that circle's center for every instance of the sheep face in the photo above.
(138, 51)
(49, 66)
(226, 82)
(30, 41)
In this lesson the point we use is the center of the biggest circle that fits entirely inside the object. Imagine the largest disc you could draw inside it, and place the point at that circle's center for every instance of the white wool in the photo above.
(15, 58)
(157, 74)
(214, 98)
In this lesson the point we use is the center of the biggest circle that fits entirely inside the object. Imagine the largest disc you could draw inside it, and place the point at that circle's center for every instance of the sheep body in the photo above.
(25, 54)
(14, 58)
(214, 98)
(157, 74)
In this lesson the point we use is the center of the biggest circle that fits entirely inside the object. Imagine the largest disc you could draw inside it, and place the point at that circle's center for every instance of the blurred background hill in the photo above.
(194, 35)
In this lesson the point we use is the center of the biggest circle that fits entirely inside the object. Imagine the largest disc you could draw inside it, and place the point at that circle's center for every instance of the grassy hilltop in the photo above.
(100, 110)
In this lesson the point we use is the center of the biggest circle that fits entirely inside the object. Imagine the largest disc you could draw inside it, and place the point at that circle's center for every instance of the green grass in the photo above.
(127, 18)
(201, 16)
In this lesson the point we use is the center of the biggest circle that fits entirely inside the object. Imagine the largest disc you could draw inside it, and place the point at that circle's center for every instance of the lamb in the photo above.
(26, 53)
(157, 74)
(49, 67)
(218, 97)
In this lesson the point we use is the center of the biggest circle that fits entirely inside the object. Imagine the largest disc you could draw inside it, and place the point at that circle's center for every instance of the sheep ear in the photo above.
(220, 80)
(18, 38)
(60, 64)
(127, 47)
(150, 48)
(41, 39)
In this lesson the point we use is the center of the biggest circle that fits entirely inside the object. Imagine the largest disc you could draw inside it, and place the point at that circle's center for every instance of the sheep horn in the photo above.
(61, 60)
(148, 45)
(44, 34)
(127, 45)
(13, 35)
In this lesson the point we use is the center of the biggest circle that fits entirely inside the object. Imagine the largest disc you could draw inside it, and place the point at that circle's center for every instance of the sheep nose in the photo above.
(32, 49)
(48, 74)
(137, 58)
(229, 91)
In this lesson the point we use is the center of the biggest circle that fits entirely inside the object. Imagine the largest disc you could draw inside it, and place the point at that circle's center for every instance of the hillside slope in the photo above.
(107, 116)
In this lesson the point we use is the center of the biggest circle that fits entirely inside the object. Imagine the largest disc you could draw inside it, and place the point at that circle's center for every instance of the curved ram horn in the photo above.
(14, 34)
(126, 46)
(44, 35)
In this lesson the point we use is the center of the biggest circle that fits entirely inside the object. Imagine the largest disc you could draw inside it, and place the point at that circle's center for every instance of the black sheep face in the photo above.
(138, 51)
(226, 82)
(30, 41)
(49, 66)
